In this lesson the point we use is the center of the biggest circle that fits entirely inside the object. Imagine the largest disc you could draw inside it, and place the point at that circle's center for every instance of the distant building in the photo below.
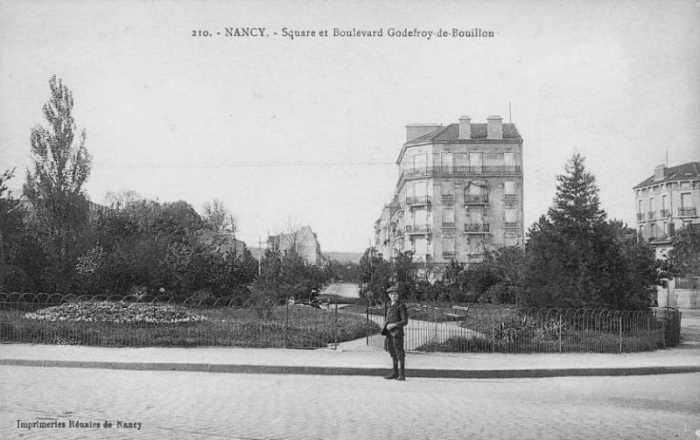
(666, 202)
(304, 241)
(459, 193)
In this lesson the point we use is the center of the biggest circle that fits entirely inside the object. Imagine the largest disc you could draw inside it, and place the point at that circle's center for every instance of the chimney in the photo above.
(465, 127)
(495, 127)
(659, 172)
(414, 131)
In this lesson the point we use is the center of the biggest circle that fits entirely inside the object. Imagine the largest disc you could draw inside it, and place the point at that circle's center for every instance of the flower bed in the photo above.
(116, 313)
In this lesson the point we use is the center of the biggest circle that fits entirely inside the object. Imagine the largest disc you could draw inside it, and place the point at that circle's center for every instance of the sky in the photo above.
(306, 131)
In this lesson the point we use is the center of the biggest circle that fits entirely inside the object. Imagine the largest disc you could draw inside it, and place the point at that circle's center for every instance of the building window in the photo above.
(448, 218)
(447, 188)
(420, 162)
(509, 159)
(511, 218)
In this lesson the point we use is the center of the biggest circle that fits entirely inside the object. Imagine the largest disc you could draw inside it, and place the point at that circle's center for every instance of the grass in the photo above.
(302, 327)
(578, 342)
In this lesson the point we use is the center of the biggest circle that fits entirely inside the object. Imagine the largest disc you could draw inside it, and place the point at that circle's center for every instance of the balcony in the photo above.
(448, 225)
(417, 229)
(448, 199)
(651, 215)
(640, 217)
(476, 199)
(418, 201)
(476, 228)
(475, 257)
(461, 171)
(510, 225)
(665, 213)
(510, 197)
(448, 254)
(687, 212)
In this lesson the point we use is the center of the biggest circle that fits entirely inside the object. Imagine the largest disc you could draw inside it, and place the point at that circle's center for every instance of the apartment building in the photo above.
(304, 241)
(666, 202)
(458, 194)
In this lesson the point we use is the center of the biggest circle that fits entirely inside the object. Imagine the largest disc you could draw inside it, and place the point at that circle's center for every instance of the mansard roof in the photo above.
(687, 171)
(479, 131)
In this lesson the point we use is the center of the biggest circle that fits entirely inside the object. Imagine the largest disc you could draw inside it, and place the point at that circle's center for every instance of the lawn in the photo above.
(292, 327)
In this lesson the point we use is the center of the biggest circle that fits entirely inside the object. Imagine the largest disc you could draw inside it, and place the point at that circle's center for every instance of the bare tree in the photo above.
(122, 199)
(219, 218)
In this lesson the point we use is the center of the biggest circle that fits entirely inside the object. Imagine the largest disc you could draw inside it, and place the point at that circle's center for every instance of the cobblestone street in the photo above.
(208, 405)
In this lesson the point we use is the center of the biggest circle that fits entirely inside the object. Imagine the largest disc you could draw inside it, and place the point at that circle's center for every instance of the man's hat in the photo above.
(393, 288)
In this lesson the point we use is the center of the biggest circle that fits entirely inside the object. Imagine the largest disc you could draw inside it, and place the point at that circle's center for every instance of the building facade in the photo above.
(458, 194)
(665, 202)
(304, 241)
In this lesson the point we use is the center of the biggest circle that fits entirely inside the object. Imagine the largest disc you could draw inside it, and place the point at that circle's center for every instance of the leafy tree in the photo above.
(684, 258)
(11, 233)
(376, 274)
(61, 166)
(575, 258)
(404, 274)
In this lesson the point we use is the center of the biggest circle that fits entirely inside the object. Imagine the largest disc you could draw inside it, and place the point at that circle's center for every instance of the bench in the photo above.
(458, 313)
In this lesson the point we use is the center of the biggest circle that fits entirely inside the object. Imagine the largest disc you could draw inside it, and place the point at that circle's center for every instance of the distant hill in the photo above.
(343, 257)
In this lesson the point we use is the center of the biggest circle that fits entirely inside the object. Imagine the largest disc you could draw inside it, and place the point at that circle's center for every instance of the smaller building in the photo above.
(665, 202)
(304, 241)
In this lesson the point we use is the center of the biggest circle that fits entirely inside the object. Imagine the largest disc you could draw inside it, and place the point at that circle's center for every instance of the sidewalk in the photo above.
(352, 361)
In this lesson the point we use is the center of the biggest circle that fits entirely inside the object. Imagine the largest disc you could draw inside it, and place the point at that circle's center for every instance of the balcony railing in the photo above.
(448, 254)
(687, 212)
(476, 199)
(476, 228)
(447, 199)
(510, 225)
(510, 196)
(461, 171)
(651, 215)
(640, 217)
(448, 225)
(417, 229)
(473, 257)
(665, 213)
(417, 201)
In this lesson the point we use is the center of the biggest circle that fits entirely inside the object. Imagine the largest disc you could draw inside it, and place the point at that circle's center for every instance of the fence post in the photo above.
(286, 326)
(436, 324)
(367, 327)
(335, 327)
(620, 332)
(559, 331)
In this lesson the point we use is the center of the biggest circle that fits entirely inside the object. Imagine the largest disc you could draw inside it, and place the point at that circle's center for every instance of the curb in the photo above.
(350, 371)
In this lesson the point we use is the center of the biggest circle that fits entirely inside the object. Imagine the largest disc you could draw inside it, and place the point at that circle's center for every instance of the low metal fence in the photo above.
(529, 330)
(173, 321)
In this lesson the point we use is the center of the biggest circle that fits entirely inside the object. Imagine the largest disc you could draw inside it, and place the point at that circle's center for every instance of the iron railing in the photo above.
(476, 228)
(171, 321)
(687, 212)
(418, 200)
(460, 171)
(524, 330)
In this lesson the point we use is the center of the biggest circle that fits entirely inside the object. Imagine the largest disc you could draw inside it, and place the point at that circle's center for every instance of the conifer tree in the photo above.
(575, 258)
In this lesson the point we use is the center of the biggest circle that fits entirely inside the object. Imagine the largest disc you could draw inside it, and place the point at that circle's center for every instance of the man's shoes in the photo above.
(393, 375)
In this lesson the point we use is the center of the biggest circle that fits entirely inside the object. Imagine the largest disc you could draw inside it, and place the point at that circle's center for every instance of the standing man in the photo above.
(396, 320)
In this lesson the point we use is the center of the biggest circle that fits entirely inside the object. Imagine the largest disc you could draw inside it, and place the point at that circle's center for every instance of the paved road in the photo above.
(347, 290)
(206, 405)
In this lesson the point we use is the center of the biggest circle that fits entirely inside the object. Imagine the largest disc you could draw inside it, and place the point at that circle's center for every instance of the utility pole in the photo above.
(260, 255)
